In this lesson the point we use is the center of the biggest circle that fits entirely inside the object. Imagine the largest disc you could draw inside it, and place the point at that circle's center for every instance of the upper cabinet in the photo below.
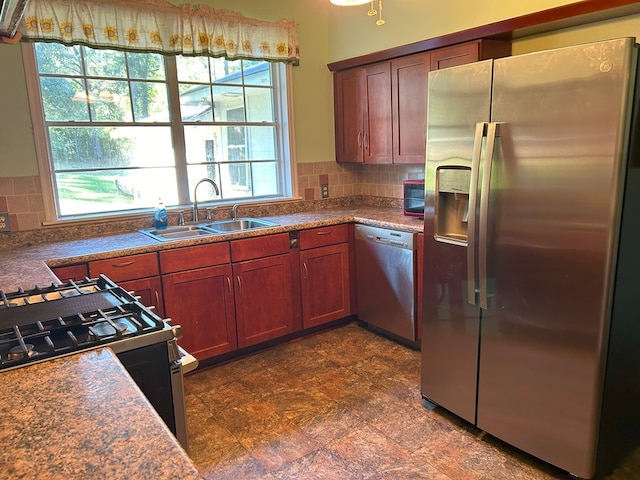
(362, 103)
(468, 53)
(409, 104)
(381, 109)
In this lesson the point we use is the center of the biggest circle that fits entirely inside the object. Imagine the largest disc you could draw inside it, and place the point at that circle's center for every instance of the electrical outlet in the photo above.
(5, 226)
(324, 189)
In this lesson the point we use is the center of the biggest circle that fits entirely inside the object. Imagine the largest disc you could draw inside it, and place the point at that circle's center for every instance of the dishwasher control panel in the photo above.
(393, 238)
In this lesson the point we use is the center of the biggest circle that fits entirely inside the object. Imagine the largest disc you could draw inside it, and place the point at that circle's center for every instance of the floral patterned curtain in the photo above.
(160, 27)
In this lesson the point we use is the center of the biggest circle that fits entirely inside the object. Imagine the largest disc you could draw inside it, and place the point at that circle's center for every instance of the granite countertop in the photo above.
(28, 266)
(82, 416)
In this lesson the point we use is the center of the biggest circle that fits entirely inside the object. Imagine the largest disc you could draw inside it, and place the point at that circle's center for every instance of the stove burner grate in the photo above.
(48, 322)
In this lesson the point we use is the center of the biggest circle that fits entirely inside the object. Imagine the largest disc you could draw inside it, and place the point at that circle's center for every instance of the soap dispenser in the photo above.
(160, 215)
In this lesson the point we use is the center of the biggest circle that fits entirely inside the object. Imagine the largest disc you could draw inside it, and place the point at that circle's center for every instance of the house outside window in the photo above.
(123, 129)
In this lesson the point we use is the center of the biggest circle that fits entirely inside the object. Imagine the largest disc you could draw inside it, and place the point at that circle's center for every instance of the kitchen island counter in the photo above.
(82, 416)
(26, 266)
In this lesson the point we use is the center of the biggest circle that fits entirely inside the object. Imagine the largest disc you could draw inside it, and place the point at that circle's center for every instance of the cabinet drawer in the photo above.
(257, 247)
(71, 272)
(321, 236)
(126, 268)
(199, 256)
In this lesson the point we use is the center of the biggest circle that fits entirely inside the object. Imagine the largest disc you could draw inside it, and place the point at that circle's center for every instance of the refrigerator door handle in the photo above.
(481, 130)
(493, 131)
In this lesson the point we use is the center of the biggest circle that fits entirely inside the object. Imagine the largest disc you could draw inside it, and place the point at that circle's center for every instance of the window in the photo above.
(123, 129)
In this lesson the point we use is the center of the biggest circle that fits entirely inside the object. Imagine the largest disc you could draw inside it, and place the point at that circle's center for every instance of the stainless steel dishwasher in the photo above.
(385, 272)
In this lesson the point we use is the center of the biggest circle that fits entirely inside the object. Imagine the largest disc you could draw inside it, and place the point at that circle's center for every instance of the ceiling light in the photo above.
(349, 3)
(371, 12)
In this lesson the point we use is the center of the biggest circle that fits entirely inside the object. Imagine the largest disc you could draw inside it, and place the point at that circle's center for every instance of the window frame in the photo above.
(284, 144)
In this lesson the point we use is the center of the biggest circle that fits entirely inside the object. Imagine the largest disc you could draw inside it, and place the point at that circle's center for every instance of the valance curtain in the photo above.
(161, 27)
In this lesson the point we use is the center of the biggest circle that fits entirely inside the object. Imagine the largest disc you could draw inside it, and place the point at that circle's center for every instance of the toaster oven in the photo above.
(413, 198)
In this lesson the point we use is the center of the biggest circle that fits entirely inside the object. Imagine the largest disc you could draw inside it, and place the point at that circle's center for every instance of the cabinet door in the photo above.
(409, 77)
(149, 290)
(455, 55)
(325, 284)
(349, 106)
(201, 301)
(378, 142)
(264, 299)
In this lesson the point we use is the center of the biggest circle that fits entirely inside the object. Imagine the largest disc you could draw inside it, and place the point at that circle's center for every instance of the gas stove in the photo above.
(40, 323)
(44, 323)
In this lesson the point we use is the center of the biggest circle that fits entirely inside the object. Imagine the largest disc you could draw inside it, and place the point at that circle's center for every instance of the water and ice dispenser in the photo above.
(452, 203)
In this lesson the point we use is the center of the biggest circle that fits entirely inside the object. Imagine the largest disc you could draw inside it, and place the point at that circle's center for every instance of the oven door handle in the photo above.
(188, 361)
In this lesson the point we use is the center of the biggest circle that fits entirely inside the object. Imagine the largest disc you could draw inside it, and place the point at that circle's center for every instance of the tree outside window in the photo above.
(121, 134)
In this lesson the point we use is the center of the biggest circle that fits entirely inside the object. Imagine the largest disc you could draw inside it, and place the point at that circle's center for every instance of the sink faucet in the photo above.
(234, 212)
(195, 195)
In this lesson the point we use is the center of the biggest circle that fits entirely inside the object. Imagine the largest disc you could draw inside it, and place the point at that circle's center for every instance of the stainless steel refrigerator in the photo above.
(531, 323)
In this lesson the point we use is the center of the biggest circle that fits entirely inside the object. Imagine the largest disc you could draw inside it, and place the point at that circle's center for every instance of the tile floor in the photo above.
(342, 404)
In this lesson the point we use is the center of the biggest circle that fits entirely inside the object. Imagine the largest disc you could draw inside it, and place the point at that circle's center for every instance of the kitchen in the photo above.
(313, 152)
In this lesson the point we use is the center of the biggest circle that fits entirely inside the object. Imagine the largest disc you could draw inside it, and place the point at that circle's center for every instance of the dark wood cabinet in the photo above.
(325, 274)
(409, 101)
(469, 52)
(71, 272)
(349, 108)
(377, 142)
(149, 290)
(129, 267)
(264, 307)
(139, 274)
(381, 109)
(199, 297)
(362, 104)
(263, 288)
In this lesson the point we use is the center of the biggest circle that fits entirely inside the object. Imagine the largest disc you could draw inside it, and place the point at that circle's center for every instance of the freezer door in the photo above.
(553, 210)
(459, 98)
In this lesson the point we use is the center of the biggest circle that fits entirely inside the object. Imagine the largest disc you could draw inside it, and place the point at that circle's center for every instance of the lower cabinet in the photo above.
(136, 273)
(325, 274)
(149, 290)
(71, 272)
(198, 296)
(264, 288)
(231, 295)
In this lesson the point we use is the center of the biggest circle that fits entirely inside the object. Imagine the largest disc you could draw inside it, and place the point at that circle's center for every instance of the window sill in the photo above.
(172, 212)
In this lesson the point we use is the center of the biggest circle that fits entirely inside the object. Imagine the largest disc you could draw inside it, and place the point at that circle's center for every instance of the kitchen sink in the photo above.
(238, 225)
(177, 232)
(182, 232)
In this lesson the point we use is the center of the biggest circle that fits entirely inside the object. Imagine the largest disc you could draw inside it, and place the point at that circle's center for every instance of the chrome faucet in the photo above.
(234, 212)
(195, 195)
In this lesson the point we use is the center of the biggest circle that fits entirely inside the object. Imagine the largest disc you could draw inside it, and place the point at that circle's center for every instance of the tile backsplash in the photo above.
(22, 196)
(346, 180)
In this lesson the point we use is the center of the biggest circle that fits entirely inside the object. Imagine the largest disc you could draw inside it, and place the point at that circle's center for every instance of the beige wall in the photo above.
(620, 27)
(408, 21)
(327, 33)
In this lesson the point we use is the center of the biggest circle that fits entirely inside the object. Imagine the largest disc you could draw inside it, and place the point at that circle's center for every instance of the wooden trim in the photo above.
(574, 14)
